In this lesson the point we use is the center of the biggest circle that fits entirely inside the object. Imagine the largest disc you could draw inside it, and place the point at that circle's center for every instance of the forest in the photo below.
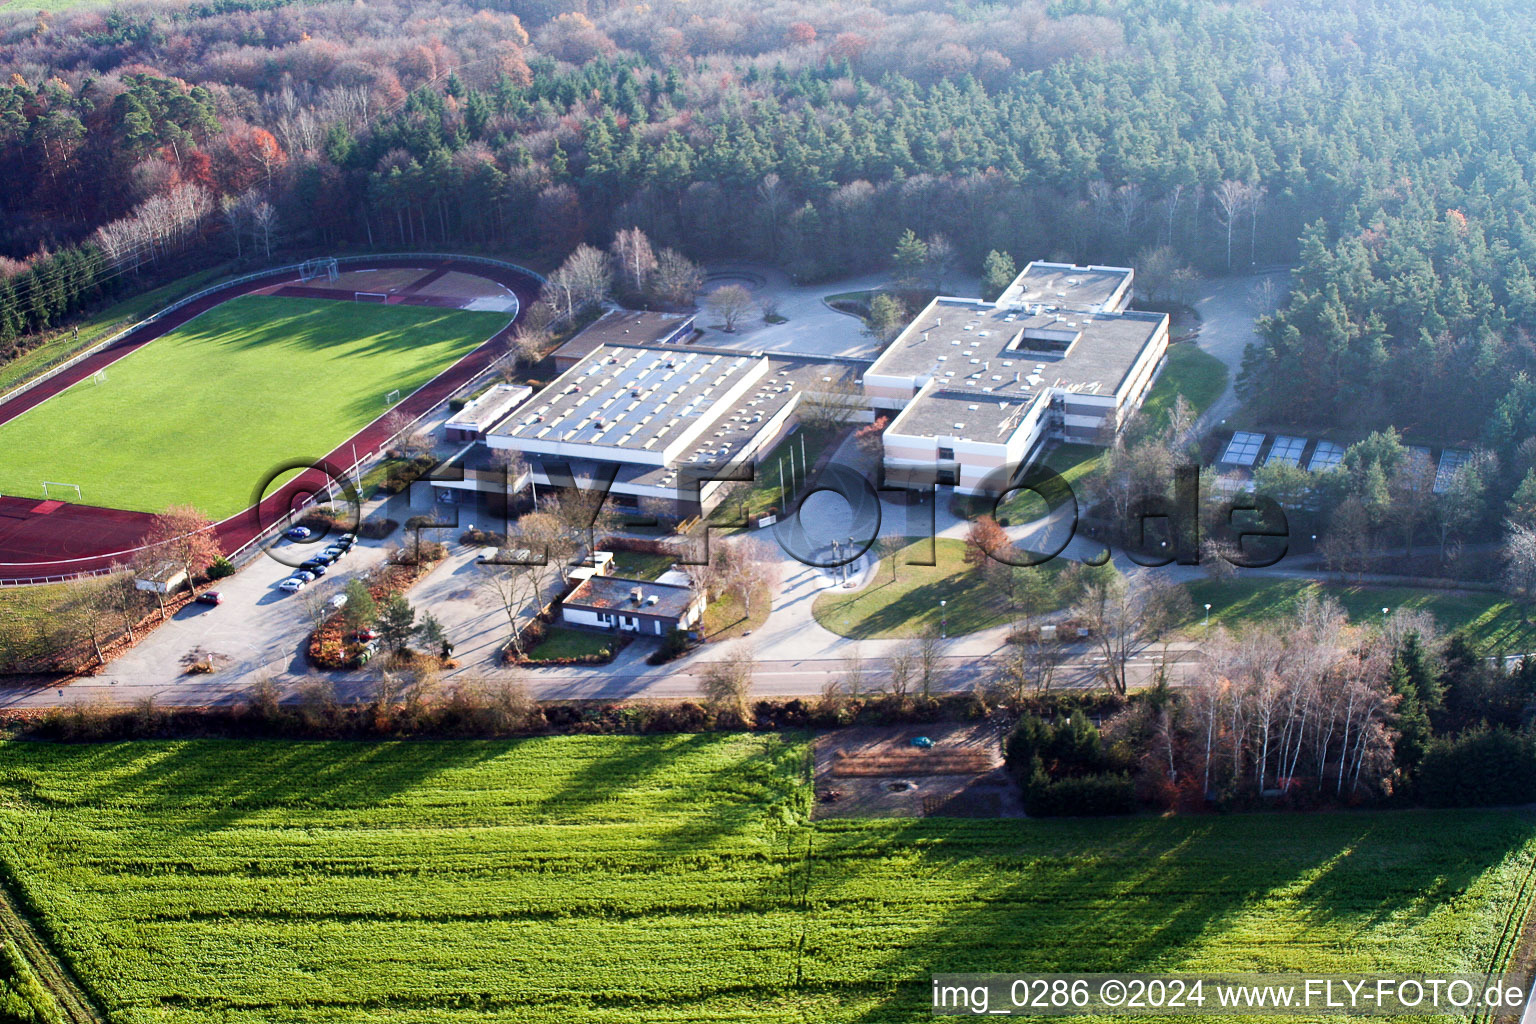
(1382, 146)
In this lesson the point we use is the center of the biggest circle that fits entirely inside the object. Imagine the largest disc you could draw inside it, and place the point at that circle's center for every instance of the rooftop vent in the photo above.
(636, 594)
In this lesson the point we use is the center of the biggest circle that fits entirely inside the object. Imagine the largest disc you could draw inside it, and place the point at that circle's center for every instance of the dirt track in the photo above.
(63, 544)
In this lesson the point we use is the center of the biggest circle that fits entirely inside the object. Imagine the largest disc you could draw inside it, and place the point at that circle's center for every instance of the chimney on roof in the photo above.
(636, 595)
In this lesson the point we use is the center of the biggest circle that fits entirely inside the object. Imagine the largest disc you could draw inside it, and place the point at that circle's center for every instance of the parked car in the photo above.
(487, 555)
(364, 636)
(293, 584)
(316, 565)
(299, 533)
(337, 603)
(305, 575)
(210, 597)
(333, 552)
(346, 540)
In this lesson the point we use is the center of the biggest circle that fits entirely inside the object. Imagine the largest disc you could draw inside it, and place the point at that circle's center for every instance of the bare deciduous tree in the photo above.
(727, 681)
(730, 303)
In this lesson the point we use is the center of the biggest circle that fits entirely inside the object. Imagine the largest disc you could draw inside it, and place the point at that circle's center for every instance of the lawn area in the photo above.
(202, 414)
(1074, 462)
(30, 617)
(623, 879)
(782, 465)
(641, 565)
(725, 618)
(100, 325)
(1199, 376)
(1491, 622)
(910, 605)
(560, 642)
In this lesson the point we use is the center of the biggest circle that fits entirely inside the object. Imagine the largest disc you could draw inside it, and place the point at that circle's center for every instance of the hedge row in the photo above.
(462, 714)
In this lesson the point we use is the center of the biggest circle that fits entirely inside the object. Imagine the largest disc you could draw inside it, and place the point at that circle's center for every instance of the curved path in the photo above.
(53, 539)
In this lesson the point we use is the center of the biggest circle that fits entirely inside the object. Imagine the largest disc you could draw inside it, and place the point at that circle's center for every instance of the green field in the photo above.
(671, 878)
(203, 413)
(1491, 621)
(64, 343)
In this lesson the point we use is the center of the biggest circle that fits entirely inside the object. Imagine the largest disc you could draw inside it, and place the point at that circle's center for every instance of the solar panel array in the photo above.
(1243, 449)
(1326, 456)
(1451, 459)
(1287, 450)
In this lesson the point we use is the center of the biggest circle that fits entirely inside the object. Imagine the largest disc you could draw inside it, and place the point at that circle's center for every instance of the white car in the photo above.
(293, 584)
(337, 603)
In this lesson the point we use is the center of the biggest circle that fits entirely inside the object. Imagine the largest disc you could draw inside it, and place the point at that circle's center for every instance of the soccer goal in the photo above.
(380, 297)
(392, 397)
(99, 377)
(309, 270)
(55, 484)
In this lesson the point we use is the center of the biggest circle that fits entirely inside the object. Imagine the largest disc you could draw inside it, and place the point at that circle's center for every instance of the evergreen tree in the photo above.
(997, 273)
(909, 259)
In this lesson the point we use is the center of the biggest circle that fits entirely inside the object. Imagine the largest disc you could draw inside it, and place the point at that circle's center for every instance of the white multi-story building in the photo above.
(977, 388)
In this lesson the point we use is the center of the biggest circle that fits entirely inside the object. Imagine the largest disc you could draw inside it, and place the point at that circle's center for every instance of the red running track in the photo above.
(65, 538)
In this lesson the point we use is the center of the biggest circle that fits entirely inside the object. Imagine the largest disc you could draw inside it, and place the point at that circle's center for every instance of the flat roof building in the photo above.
(624, 327)
(632, 606)
(480, 414)
(649, 414)
(977, 388)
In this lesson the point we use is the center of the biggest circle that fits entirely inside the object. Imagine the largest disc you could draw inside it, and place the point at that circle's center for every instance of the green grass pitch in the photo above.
(203, 413)
(639, 879)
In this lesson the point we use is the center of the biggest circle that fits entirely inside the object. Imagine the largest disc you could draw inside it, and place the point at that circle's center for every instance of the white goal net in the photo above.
(380, 297)
(309, 270)
(61, 488)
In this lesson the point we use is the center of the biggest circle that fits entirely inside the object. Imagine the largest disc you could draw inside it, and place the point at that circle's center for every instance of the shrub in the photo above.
(222, 568)
(1087, 795)
(673, 645)
(1479, 768)
(404, 472)
(377, 529)
(483, 538)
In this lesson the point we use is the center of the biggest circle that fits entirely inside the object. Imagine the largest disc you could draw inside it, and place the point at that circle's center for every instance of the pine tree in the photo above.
(997, 273)
(909, 259)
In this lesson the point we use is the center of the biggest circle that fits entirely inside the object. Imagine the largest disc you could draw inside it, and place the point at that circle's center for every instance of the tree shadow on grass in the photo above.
(1124, 895)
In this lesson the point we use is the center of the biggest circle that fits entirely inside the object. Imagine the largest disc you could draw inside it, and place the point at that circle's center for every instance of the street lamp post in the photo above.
(1207, 619)
(943, 621)
(1384, 618)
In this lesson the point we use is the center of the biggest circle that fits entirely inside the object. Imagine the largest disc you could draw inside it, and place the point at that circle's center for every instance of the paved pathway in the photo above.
(1227, 313)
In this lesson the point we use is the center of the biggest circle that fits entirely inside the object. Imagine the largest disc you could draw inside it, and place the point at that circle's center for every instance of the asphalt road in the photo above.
(807, 678)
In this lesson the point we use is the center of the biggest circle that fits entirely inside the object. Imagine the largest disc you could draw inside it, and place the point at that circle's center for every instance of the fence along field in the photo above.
(624, 879)
(201, 414)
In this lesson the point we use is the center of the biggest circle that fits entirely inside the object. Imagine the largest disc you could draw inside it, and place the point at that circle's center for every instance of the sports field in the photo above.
(203, 413)
(670, 878)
